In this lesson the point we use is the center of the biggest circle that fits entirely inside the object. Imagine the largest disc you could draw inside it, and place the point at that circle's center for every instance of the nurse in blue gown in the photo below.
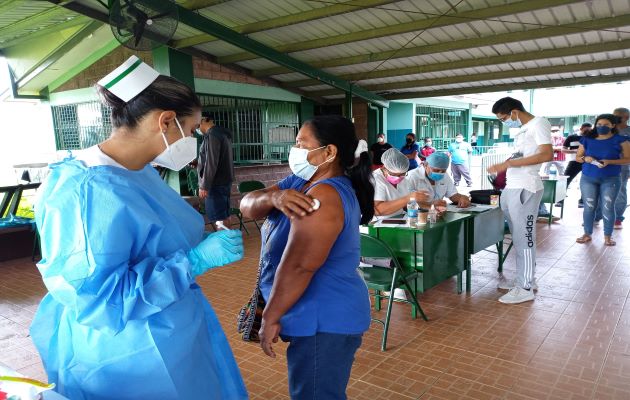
(124, 318)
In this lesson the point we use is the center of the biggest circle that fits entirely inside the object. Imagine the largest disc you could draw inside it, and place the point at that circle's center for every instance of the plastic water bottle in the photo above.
(412, 211)
(432, 218)
(553, 172)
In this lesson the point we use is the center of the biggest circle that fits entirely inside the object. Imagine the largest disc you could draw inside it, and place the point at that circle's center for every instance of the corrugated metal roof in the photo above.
(402, 43)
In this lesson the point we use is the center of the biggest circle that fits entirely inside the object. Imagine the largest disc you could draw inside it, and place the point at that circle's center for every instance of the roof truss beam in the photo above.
(287, 20)
(491, 76)
(209, 26)
(432, 22)
(476, 62)
(512, 37)
(589, 80)
(80, 20)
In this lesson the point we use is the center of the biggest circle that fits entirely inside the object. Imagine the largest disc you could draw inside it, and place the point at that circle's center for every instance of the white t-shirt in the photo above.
(385, 191)
(443, 188)
(531, 135)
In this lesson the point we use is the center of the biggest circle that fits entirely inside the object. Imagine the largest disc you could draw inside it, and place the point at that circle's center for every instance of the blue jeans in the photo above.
(599, 190)
(622, 198)
(319, 366)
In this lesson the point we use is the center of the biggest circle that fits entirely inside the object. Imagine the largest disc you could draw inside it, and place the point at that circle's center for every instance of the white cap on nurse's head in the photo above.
(128, 80)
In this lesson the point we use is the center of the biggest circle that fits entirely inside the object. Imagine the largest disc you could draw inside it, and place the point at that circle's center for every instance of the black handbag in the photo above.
(483, 196)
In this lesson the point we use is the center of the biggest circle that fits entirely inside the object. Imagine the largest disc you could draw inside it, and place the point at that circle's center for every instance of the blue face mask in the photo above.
(436, 176)
(510, 123)
(603, 130)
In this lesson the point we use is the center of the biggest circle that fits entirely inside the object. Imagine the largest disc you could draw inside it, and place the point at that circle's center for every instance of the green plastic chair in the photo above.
(387, 279)
(250, 186)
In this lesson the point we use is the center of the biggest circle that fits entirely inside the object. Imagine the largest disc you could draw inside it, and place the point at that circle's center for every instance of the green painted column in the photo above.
(307, 109)
(347, 105)
(177, 65)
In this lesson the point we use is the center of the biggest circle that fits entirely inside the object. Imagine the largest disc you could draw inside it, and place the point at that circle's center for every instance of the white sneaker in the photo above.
(517, 295)
(507, 284)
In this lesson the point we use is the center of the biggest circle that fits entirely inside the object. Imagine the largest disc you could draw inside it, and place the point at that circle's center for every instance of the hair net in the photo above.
(438, 160)
(395, 161)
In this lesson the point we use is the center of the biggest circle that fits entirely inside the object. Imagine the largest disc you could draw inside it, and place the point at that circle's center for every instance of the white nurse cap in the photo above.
(128, 80)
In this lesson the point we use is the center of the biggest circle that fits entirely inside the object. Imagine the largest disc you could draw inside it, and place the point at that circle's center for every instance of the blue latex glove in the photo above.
(217, 249)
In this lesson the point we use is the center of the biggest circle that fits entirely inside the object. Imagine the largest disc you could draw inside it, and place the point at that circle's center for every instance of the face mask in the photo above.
(394, 180)
(409, 141)
(603, 130)
(459, 140)
(380, 140)
(436, 176)
(178, 154)
(510, 123)
(428, 144)
(199, 132)
(298, 162)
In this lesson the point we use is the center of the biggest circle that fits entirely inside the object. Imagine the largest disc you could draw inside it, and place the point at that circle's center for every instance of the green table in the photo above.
(485, 228)
(439, 251)
(555, 190)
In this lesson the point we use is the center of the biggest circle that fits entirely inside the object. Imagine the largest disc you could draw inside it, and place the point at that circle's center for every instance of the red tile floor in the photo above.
(572, 342)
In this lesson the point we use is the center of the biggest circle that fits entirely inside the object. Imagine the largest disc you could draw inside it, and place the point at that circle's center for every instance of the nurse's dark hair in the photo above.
(506, 105)
(165, 93)
(613, 119)
(339, 131)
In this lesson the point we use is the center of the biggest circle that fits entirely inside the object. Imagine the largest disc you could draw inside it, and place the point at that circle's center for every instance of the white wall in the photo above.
(26, 136)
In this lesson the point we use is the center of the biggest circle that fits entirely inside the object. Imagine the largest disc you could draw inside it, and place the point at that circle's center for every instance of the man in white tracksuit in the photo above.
(522, 194)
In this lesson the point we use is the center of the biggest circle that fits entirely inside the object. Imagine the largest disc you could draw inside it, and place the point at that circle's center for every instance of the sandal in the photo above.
(583, 239)
(609, 242)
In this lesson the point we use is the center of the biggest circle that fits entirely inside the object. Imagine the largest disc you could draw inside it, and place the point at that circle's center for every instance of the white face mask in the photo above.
(178, 154)
(298, 162)
(380, 140)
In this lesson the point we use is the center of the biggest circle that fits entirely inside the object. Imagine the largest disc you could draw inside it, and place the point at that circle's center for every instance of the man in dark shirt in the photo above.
(569, 148)
(378, 149)
(216, 170)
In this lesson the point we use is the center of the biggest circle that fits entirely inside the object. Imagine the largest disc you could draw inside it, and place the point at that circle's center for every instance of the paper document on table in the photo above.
(472, 208)
(390, 222)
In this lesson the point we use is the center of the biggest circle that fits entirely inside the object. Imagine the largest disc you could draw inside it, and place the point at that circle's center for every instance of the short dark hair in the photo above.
(587, 125)
(506, 105)
(165, 93)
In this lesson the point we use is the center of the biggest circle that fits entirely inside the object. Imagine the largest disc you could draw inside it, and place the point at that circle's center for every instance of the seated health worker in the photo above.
(432, 178)
(123, 317)
(391, 190)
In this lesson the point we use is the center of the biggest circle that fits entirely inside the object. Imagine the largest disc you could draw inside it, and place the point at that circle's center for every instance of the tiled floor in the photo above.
(572, 342)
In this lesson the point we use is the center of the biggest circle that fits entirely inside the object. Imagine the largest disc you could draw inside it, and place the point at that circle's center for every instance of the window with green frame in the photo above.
(263, 131)
(441, 124)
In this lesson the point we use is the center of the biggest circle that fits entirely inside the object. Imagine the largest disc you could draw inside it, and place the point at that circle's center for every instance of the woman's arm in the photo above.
(259, 203)
(412, 156)
(391, 206)
(579, 157)
(310, 239)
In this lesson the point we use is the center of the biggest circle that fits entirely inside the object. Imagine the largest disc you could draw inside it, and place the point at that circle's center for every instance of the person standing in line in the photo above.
(316, 299)
(523, 192)
(460, 152)
(411, 150)
(570, 148)
(216, 170)
(377, 149)
(602, 152)
(622, 198)
(557, 141)
(473, 143)
(427, 149)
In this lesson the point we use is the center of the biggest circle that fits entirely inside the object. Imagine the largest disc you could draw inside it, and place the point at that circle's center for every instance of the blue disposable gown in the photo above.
(123, 318)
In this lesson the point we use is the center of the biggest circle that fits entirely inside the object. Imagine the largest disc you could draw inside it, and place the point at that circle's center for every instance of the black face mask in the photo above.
(409, 140)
